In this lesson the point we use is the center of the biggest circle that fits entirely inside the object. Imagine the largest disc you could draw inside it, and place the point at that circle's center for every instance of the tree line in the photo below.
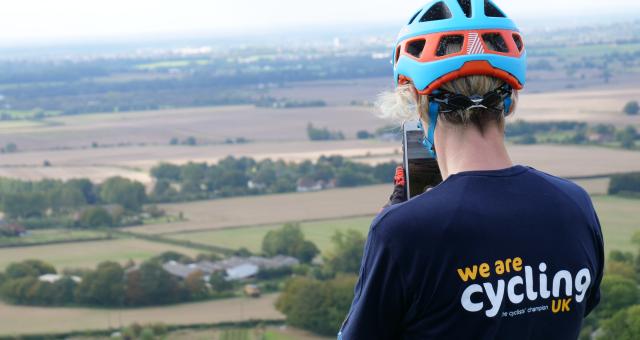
(245, 176)
(109, 285)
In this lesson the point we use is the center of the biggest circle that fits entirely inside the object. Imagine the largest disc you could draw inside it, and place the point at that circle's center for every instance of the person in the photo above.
(497, 250)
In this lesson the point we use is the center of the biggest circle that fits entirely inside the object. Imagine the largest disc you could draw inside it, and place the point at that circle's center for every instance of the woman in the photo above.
(496, 251)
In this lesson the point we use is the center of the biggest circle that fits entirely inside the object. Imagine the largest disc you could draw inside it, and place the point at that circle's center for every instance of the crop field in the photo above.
(209, 124)
(318, 232)
(51, 235)
(34, 320)
(272, 209)
(89, 254)
(620, 219)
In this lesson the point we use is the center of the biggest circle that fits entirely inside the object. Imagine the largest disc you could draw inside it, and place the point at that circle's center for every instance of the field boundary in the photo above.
(183, 243)
(262, 225)
(78, 240)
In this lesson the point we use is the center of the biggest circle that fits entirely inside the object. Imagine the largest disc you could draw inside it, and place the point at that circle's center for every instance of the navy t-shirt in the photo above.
(506, 254)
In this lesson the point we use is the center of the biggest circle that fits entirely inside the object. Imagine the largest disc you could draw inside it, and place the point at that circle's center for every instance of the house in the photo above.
(308, 185)
(11, 229)
(251, 290)
(234, 267)
(180, 270)
(53, 278)
(241, 272)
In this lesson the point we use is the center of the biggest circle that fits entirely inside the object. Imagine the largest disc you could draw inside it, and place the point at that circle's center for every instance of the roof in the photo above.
(178, 269)
(242, 271)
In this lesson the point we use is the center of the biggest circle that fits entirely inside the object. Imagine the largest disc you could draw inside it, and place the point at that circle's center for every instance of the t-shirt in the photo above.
(506, 254)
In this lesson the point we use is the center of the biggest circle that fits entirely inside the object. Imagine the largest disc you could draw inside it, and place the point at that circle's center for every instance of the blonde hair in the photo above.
(404, 103)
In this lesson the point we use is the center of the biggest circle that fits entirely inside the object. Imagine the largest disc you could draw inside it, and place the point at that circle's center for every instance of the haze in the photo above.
(26, 21)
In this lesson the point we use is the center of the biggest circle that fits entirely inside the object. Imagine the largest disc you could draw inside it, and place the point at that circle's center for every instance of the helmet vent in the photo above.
(416, 47)
(495, 42)
(466, 7)
(413, 18)
(397, 54)
(518, 41)
(449, 45)
(491, 10)
(439, 11)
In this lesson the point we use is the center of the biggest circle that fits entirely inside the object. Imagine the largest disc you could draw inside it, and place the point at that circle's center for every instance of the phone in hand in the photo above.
(421, 169)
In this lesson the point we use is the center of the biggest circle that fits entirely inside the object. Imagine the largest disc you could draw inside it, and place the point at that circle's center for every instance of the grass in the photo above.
(52, 235)
(89, 254)
(319, 232)
(620, 219)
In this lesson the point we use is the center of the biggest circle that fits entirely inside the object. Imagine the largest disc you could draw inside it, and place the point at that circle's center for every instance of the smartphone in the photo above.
(421, 169)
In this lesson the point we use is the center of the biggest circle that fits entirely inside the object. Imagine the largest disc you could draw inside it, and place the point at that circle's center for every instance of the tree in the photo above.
(171, 255)
(318, 306)
(102, 287)
(624, 325)
(347, 252)
(632, 108)
(122, 191)
(624, 183)
(195, 286)
(364, 134)
(95, 217)
(24, 204)
(29, 268)
(627, 137)
(156, 286)
(10, 148)
(219, 283)
(166, 171)
(617, 293)
(289, 240)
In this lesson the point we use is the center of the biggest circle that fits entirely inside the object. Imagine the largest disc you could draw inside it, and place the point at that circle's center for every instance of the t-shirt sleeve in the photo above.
(377, 309)
(594, 297)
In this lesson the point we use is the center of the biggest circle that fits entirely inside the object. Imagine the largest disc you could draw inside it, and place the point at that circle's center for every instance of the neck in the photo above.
(466, 149)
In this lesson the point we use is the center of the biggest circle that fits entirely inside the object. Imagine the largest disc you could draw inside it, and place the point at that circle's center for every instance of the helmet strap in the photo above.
(429, 140)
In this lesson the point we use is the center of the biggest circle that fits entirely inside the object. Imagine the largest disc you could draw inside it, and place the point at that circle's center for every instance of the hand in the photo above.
(399, 194)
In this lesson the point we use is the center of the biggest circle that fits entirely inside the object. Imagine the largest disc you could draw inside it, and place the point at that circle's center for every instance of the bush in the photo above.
(617, 293)
(95, 217)
(624, 325)
(289, 240)
(624, 183)
(318, 306)
(632, 108)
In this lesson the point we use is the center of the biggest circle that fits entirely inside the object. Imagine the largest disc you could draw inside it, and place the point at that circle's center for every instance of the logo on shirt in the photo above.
(525, 282)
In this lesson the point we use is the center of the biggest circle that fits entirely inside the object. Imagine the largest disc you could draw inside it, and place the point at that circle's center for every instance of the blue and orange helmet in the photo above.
(449, 39)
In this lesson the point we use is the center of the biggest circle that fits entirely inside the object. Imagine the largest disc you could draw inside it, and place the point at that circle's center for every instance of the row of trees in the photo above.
(625, 184)
(74, 203)
(323, 134)
(109, 285)
(522, 132)
(245, 176)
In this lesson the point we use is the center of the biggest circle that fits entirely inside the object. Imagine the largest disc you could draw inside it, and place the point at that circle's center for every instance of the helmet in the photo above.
(449, 39)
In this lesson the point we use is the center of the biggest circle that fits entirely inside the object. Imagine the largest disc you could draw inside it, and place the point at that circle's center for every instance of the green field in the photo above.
(89, 254)
(620, 218)
(52, 235)
(319, 232)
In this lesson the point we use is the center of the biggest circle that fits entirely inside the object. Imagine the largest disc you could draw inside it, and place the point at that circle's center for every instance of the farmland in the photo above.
(34, 320)
(89, 254)
(619, 218)
(318, 232)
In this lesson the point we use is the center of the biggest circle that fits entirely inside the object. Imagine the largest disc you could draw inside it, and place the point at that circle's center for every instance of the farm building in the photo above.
(235, 268)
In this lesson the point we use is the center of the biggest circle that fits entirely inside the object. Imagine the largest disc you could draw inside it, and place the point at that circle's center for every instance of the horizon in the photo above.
(73, 21)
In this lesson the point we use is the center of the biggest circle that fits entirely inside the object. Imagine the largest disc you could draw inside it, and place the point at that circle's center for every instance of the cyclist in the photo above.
(497, 250)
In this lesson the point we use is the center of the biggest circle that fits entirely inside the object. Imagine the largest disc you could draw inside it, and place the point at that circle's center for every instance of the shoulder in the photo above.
(567, 188)
(424, 216)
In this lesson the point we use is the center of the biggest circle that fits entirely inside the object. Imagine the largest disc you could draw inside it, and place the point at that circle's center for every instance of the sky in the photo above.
(24, 21)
